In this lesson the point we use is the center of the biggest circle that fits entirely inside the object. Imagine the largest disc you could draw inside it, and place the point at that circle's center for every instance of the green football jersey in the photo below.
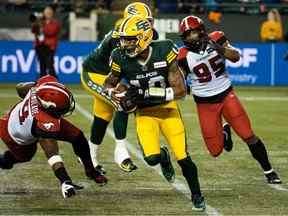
(98, 60)
(151, 73)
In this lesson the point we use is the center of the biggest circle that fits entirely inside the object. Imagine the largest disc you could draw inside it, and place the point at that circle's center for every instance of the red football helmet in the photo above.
(55, 99)
(193, 33)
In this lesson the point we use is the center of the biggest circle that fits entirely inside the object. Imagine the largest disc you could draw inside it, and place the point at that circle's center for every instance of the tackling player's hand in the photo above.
(68, 189)
(114, 94)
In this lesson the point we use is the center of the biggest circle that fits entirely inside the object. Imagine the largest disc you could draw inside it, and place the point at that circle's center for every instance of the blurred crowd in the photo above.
(162, 6)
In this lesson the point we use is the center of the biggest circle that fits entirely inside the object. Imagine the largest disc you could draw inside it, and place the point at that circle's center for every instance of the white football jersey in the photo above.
(208, 74)
(21, 120)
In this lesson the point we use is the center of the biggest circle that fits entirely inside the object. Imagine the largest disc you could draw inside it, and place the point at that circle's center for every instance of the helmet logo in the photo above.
(132, 10)
(143, 24)
(48, 125)
(47, 104)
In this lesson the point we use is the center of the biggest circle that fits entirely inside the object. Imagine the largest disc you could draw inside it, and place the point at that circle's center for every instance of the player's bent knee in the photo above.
(152, 160)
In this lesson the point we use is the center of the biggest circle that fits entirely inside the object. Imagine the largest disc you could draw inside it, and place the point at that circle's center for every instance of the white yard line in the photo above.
(178, 184)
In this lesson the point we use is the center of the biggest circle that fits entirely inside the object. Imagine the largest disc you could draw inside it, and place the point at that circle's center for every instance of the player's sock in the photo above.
(93, 152)
(190, 173)
(62, 175)
(81, 149)
(259, 152)
(120, 125)
(120, 153)
(98, 130)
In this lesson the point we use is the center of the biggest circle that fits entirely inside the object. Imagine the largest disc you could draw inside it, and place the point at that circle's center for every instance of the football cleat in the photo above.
(228, 143)
(127, 165)
(273, 178)
(101, 180)
(100, 169)
(96, 176)
(198, 203)
(68, 189)
(166, 165)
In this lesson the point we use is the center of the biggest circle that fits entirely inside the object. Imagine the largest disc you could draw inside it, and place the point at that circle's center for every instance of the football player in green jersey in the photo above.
(155, 83)
(95, 70)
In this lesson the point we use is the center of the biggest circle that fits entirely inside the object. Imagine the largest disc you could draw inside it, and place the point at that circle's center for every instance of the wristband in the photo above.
(169, 94)
(55, 159)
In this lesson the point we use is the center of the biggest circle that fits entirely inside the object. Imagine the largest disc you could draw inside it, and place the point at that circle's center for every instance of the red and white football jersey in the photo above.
(207, 69)
(27, 114)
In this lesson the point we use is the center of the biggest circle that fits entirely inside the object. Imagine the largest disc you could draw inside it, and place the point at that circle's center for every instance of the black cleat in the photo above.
(228, 143)
(273, 178)
(166, 166)
(198, 203)
(100, 169)
(127, 165)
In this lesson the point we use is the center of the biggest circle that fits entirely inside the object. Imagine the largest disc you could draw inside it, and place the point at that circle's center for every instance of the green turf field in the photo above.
(233, 184)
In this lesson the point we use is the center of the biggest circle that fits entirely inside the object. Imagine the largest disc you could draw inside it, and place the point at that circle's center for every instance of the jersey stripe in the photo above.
(170, 59)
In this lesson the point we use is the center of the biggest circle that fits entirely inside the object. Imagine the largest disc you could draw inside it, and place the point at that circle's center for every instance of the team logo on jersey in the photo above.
(160, 64)
(48, 125)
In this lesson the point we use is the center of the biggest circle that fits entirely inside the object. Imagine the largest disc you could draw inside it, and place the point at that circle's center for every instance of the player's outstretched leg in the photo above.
(228, 143)
(121, 154)
(166, 165)
(98, 130)
(190, 173)
(259, 153)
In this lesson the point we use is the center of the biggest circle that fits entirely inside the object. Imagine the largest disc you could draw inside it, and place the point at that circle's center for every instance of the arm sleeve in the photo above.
(114, 63)
(172, 52)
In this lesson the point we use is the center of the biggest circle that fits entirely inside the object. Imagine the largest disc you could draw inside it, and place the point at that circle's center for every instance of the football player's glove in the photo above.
(68, 189)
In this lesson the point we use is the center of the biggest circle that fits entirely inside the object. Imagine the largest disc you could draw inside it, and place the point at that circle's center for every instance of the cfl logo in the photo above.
(143, 25)
(132, 10)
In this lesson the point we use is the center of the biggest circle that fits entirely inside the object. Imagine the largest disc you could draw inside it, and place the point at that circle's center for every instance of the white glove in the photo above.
(68, 189)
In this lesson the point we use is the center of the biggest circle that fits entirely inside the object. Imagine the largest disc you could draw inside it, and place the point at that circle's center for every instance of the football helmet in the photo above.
(140, 9)
(193, 33)
(135, 35)
(55, 99)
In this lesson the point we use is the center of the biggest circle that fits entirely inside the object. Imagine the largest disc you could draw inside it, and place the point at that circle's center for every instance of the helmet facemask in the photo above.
(130, 45)
(195, 40)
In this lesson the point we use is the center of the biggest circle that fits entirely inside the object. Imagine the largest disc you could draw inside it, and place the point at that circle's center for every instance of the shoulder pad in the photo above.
(47, 123)
(218, 36)
(182, 53)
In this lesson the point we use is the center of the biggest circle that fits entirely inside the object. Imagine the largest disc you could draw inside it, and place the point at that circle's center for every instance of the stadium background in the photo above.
(233, 184)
